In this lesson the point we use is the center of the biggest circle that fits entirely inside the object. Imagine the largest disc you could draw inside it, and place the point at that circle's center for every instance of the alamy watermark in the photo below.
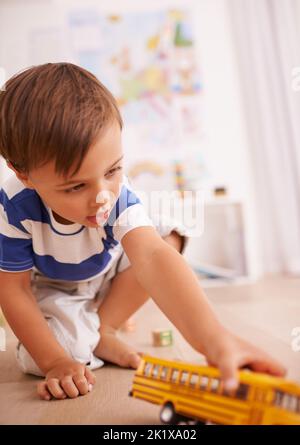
(296, 340)
(184, 209)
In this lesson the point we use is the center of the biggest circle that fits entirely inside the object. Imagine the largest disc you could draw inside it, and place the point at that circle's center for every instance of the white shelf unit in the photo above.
(221, 249)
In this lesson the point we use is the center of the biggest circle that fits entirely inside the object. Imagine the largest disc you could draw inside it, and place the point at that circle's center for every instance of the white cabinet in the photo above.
(219, 255)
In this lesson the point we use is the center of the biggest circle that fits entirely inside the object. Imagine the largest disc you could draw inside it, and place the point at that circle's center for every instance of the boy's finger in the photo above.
(90, 376)
(69, 387)
(81, 383)
(43, 391)
(268, 366)
(229, 374)
(277, 369)
(55, 389)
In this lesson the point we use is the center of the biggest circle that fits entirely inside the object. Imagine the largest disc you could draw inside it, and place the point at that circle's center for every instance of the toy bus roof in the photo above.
(245, 376)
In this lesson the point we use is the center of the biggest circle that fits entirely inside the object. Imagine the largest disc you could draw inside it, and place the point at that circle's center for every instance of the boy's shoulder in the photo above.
(17, 199)
(15, 190)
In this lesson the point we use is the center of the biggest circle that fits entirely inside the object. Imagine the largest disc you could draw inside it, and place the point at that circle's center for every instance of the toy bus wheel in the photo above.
(168, 414)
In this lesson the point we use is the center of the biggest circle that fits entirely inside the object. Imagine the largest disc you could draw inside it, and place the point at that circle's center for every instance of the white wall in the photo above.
(227, 150)
(228, 147)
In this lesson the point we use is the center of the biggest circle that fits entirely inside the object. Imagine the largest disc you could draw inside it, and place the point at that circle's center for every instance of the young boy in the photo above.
(74, 235)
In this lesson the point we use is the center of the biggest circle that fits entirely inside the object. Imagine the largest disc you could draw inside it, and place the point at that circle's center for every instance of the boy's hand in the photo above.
(66, 378)
(231, 353)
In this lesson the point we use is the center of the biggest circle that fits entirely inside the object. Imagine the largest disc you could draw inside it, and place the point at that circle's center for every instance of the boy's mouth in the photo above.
(97, 219)
(92, 219)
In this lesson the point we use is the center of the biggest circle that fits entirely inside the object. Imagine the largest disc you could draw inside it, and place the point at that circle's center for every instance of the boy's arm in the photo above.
(173, 285)
(26, 320)
(175, 288)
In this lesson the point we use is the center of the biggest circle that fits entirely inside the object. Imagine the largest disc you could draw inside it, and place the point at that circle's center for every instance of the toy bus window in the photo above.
(184, 377)
(298, 404)
(174, 375)
(147, 369)
(204, 382)
(194, 380)
(278, 398)
(286, 402)
(214, 385)
(293, 403)
(289, 402)
(163, 374)
(242, 391)
(155, 370)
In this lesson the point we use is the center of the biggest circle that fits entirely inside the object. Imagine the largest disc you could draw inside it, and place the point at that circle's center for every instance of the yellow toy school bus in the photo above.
(188, 391)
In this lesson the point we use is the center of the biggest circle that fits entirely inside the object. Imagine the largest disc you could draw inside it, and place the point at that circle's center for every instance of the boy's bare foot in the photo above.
(112, 349)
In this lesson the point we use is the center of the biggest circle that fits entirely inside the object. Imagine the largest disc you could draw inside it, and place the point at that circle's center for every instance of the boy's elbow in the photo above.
(141, 245)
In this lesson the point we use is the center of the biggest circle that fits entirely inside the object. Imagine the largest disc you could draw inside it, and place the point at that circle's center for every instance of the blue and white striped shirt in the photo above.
(31, 238)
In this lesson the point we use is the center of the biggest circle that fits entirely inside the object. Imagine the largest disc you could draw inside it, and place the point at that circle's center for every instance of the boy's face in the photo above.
(100, 171)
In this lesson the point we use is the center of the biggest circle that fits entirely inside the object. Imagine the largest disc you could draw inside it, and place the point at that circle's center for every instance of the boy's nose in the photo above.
(95, 207)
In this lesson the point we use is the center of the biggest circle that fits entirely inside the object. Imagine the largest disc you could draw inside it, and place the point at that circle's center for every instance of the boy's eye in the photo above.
(113, 170)
(79, 186)
(74, 189)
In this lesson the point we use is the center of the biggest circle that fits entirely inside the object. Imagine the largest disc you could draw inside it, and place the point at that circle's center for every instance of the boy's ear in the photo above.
(21, 176)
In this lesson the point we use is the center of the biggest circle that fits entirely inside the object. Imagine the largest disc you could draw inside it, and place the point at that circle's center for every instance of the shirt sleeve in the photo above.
(16, 254)
(128, 213)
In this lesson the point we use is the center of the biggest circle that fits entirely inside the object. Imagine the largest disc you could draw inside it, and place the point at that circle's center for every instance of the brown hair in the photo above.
(53, 112)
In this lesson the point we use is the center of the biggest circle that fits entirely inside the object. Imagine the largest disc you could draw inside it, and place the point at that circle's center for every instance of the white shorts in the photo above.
(70, 309)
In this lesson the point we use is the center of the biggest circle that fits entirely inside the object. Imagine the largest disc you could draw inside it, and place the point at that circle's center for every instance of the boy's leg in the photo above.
(124, 298)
